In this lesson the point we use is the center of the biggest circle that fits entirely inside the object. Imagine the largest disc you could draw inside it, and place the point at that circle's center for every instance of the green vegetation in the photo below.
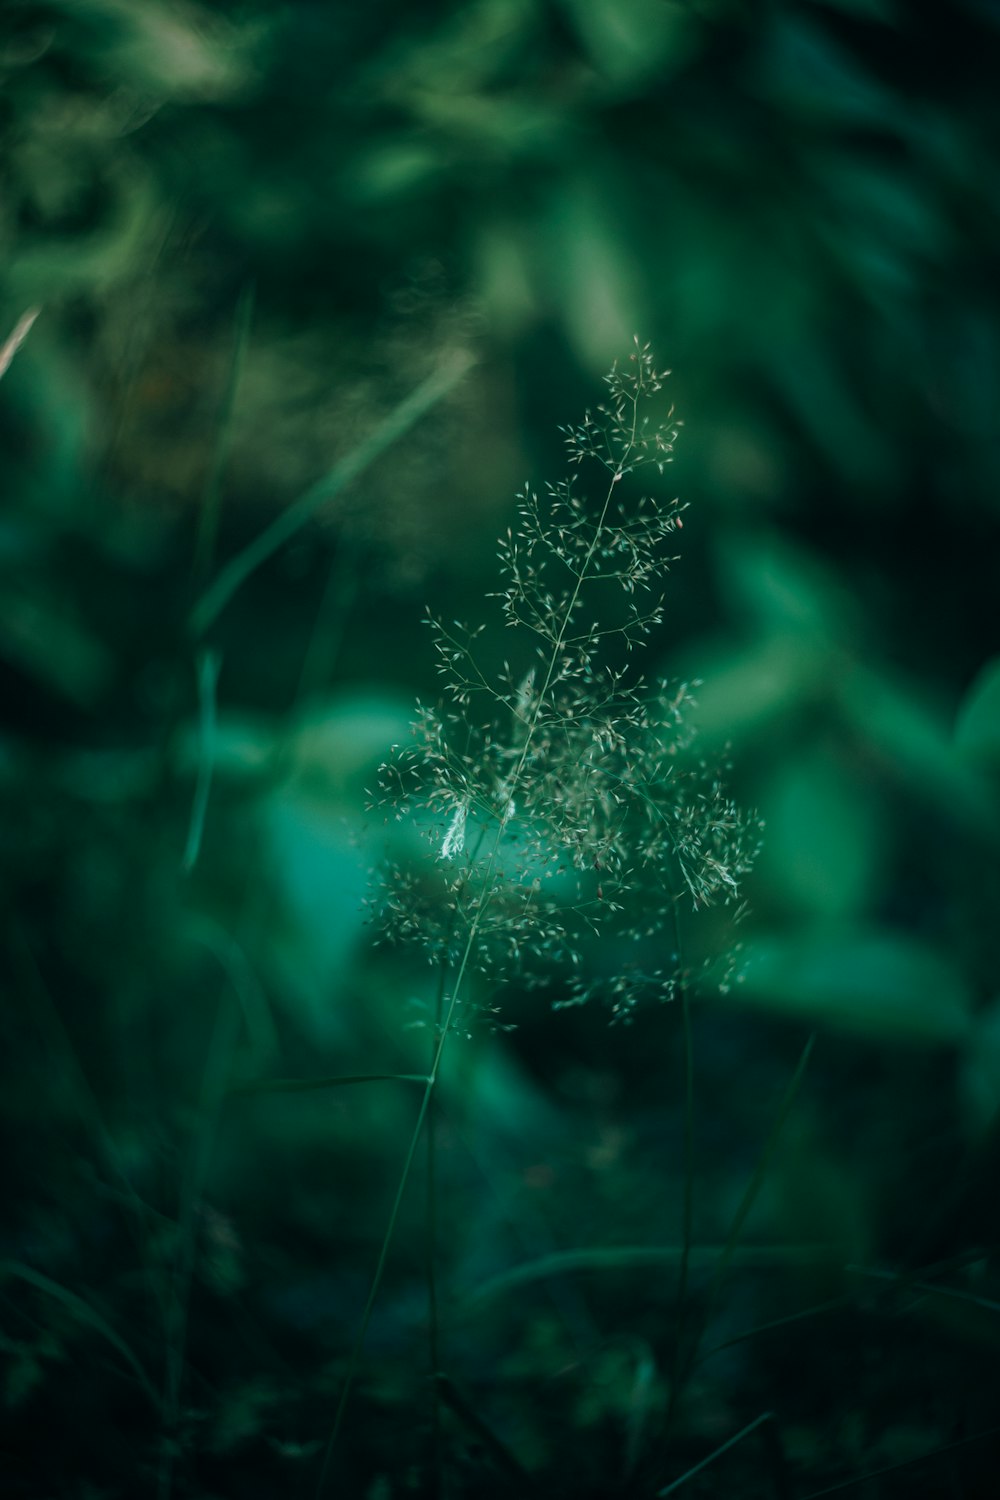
(396, 1108)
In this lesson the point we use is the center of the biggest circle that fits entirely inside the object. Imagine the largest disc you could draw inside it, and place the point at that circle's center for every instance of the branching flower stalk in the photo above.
(575, 807)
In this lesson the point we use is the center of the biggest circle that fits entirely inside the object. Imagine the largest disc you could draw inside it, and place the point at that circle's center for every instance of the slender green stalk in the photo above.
(687, 1213)
(685, 1366)
(213, 1086)
(670, 1489)
(760, 1172)
(16, 338)
(906, 1463)
(342, 585)
(45, 1014)
(208, 523)
(471, 1419)
(835, 1304)
(208, 666)
(430, 1243)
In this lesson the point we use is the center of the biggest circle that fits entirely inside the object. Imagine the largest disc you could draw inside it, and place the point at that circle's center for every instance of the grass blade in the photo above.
(208, 521)
(83, 1311)
(283, 528)
(760, 1172)
(310, 1085)
(632, 1257)
(471, 1419)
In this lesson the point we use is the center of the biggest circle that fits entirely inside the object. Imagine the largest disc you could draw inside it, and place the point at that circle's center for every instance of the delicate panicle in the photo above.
(570, 797)
(454, 839)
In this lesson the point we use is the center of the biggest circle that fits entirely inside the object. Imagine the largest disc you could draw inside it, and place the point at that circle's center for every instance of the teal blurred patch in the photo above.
(872, 982)
(825, 835)
(977, 732)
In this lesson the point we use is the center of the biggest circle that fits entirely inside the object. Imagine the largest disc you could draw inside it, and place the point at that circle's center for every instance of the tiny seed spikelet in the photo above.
(454, 840)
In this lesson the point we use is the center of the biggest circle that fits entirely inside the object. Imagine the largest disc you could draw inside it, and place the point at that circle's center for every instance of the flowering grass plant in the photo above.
(568, 823)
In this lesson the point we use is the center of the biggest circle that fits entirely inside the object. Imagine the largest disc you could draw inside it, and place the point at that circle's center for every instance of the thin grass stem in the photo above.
(430, 1246)
(470, 1418)
(208, 665)
(906, 1463)
(82, 1310)
(689, 1359)
(211, 502)
(687, 1214)
(218, 1062)
(716, 1454)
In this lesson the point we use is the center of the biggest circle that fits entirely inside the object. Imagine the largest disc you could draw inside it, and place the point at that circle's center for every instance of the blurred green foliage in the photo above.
(252, 230)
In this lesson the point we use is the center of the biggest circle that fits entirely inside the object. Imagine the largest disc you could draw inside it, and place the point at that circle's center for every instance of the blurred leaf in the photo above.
(242, 1414)
(781, 586)
(823, 839)
(47, 393)
(744, 692)
(626, 1258)
(880, 210)
(511, 1109)
(517, 125)
(872, 982)
(45, 266)
(180, 49)
(336, 744)
(465, 53)
(807, 71)
(979, 1076)
(505, 274)
(316, 827)
(590, 268)
(43, 638)
(800, 614)
(393, 169)
(628, 40)
(23, 1374)
(242, 747)
(977, 732)
(916, 746)
(809, 373)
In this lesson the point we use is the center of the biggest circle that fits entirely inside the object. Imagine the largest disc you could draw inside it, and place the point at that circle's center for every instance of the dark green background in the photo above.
(252, 230)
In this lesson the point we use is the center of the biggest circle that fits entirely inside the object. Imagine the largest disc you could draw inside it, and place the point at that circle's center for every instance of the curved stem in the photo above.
(434, 1342)
(687, 1217)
